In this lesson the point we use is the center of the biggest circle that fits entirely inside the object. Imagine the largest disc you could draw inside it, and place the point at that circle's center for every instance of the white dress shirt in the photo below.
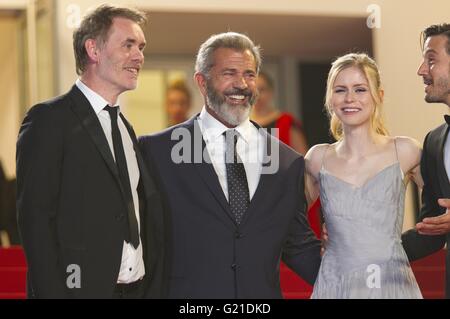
(132, 265)
(249, 147)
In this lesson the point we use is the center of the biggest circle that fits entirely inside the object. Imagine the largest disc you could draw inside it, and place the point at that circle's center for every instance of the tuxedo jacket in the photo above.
(436, 185)
(210, 255)
(71, 205)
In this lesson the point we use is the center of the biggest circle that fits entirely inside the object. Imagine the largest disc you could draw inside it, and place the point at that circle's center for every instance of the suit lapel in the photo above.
(441, 172)
(265, 180)
(82, 108)
(205, 168)
(89, 120)
(145, 189)
(147, 182)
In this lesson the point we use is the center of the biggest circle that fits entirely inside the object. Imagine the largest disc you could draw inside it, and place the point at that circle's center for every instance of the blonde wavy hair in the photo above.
(370, 69)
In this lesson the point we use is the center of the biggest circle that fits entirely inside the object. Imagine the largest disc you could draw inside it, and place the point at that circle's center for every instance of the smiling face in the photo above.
(120, 58)
(230, 87)
(351, 99)
(435, 70)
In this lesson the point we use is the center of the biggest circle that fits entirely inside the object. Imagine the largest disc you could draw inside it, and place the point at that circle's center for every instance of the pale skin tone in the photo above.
(231, 69)
(435, 71)
(114, 66)
(264, 112)
(362, 153)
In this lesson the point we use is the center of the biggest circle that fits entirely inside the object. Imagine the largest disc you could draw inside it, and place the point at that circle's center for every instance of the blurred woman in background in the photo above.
(178, 102)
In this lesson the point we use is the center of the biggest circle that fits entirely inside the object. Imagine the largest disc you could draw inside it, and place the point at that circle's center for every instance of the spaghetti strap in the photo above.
(395, 146)
(323, 156)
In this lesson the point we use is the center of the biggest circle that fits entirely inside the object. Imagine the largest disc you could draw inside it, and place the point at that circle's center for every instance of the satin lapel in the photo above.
(148, 188)
(442, 174)
(205, 168)
(90, 122)
(148, 183)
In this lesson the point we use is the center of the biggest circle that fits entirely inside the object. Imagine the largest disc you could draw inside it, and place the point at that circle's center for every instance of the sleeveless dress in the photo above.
(364, 257)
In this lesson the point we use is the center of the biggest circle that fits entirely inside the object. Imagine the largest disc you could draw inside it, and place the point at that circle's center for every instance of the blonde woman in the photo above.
(361, 180)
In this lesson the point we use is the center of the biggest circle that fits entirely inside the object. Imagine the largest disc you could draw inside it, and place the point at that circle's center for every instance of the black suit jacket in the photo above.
(211, 256)
(436, 185)
(71, 207)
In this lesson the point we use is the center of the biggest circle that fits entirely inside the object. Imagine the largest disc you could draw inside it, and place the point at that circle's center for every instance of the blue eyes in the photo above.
(358, 90)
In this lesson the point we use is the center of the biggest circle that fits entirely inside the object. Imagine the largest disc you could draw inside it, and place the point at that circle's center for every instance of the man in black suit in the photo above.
(432, 232)
(234, 213)
(89, 213)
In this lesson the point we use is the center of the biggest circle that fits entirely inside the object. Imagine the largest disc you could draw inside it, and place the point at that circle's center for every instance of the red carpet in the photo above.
(430, 274)
(12, 273)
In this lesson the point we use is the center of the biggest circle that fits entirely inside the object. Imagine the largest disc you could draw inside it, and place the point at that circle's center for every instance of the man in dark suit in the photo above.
(432, 232)
(89, 213)
(234, 213)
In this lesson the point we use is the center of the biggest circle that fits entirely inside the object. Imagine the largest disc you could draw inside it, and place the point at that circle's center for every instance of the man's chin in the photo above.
(233, 114)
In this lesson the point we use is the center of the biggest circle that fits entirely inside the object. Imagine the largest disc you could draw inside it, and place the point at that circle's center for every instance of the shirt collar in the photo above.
(97, 102)
(213, 128)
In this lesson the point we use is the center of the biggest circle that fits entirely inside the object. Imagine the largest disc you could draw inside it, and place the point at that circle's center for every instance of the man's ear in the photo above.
(200, 79)
(92, 49)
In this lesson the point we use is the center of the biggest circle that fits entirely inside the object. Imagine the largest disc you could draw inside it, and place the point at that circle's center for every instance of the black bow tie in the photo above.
(447, 119)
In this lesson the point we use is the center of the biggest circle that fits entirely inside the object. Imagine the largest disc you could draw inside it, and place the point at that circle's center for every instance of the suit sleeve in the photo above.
(160, 226)
(418, 246)
(38, 163)
(302, 249)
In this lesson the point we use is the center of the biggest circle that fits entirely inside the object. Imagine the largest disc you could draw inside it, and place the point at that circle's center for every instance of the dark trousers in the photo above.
(134, 290)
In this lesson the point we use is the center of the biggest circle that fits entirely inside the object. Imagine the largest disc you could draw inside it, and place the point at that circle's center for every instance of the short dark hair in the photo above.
(96, 25)
(437, 29)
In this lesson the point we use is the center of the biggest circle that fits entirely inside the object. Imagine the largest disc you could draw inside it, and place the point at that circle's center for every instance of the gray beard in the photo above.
(231, 114)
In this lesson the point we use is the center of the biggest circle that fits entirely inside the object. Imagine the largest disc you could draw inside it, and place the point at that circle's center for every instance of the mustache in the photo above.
(427, 81)
(237, 91)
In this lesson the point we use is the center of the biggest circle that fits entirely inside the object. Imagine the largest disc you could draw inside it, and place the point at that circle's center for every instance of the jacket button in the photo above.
(120, 217)
(238, 235)
(234, 266)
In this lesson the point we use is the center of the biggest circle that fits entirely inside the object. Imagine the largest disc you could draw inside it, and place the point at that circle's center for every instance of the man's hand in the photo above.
(324, 239)
(438, 225)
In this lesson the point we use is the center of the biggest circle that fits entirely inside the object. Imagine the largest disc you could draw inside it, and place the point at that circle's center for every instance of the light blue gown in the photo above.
(364, 257)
